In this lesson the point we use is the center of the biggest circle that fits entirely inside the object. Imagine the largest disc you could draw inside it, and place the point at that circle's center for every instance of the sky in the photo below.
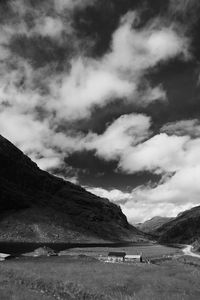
(106, 94)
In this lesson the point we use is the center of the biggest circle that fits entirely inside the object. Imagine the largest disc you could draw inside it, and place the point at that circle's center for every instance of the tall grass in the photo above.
(78, 278)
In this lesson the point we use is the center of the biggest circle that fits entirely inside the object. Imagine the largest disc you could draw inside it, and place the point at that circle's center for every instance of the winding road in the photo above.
(188, 251)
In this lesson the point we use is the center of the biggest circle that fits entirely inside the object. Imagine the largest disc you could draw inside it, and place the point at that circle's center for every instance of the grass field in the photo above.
(79, 277)
(149, 251)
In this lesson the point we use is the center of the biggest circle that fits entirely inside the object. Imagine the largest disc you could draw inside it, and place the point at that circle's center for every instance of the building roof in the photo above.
(133, 256)
(117, 254)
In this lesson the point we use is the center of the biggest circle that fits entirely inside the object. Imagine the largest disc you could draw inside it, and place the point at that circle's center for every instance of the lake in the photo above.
(15, 248)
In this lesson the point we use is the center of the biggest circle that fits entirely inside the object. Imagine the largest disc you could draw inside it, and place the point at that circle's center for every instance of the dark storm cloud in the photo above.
(180, 80)
(186, 13)
(99, 21)
(92, 171)
(42, 51)
(185, 9)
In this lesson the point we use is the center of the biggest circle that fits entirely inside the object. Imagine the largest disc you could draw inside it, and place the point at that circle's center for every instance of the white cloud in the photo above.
(159, 154)
(47, 163)
(115, 195)
(166, 43)
(141, 212)
(178, 193)
(23, 130)
(177, 158)
(128, 140)
(139, 207)
(89, 83)
(36, 138)
(123, 133)
(138, 49)
(119, 72)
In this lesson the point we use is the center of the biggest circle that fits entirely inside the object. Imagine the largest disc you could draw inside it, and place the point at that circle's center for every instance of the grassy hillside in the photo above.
(184, 229)
(37, 206)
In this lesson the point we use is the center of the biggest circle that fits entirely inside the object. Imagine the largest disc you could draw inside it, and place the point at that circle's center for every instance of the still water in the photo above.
(19, 248)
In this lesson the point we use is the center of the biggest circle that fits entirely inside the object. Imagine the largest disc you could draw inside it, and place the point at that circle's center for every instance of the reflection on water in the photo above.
(19, 248)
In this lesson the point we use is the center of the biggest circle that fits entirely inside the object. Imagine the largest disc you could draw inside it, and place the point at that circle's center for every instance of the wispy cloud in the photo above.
(184, 7)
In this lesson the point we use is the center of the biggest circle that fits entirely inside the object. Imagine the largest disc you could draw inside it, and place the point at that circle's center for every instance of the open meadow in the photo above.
(149, 251)
(77, 276)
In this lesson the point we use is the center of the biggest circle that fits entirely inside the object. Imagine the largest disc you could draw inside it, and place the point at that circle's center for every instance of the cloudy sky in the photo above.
(107, 94)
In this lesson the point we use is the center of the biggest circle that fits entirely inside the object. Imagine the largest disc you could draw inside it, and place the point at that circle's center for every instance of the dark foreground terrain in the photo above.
(184, 229)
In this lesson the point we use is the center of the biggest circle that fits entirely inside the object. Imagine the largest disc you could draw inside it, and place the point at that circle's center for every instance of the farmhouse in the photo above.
(116, 256)
(133, 258)
(123, 257)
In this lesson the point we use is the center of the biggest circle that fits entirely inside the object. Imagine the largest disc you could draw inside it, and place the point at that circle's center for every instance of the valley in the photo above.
(40, 210)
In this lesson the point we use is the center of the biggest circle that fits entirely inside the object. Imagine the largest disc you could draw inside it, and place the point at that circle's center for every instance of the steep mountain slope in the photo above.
(37, 206)
(150, 226)
(184, 229)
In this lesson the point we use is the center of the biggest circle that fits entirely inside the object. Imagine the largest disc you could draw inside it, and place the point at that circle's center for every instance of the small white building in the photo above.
(133, 258)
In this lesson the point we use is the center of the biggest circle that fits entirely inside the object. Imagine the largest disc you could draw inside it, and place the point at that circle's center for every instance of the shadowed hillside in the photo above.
(37, 206)
(184, 229)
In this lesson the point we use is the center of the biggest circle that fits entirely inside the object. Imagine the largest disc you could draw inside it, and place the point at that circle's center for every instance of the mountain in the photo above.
(150, 226)
(36, 206)
(184, 229)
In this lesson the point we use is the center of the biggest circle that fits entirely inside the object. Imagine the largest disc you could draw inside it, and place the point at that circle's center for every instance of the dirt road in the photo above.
(188, 251)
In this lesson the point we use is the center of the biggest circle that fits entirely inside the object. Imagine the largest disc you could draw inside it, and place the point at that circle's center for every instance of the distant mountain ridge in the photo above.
(37, 206)
(184, 229)
(150, 226)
